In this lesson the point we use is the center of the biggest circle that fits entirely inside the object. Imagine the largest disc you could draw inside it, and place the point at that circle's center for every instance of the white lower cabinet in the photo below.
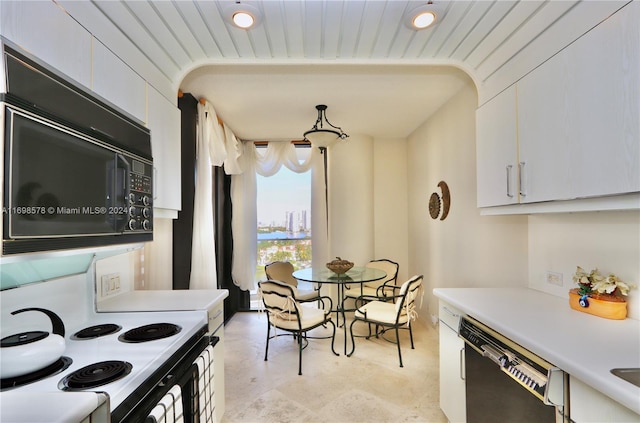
(216, 328)
(452, 384)
(590, 406)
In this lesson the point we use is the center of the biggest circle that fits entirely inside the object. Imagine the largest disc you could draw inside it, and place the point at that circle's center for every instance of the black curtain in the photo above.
(183, 226)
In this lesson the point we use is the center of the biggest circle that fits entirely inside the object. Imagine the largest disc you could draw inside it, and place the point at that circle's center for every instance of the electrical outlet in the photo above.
(110, 284)
(554, 278)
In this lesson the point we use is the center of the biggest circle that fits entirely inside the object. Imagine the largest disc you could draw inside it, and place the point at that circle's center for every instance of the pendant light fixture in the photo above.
(323, 133)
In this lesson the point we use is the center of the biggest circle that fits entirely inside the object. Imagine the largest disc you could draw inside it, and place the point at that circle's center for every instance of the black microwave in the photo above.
(77, 171)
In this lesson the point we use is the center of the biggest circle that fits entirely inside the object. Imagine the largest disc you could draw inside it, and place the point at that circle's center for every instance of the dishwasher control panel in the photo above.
(529, 370)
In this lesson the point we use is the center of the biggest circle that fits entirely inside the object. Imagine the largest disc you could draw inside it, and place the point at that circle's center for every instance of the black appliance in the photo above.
(78, 172)
(508, 383)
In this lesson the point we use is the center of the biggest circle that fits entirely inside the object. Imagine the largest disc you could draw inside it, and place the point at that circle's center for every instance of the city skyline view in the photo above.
(280, 195)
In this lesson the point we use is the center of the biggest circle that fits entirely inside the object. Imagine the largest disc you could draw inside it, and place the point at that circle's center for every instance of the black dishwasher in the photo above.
(507, 383)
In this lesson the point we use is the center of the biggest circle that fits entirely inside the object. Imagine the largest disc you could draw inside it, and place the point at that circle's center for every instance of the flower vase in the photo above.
(616, 310)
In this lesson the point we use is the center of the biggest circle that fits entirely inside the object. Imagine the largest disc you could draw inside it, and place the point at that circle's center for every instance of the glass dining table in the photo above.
(354, 276)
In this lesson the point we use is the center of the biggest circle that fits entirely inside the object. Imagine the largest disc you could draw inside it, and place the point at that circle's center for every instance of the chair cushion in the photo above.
(281, 271)
(306, 294)
(309, 317)
(380, 311)
(390, 268)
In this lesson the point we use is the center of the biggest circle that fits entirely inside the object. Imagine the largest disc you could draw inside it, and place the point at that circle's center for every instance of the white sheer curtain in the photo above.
(217, 145)
(243, 196)
(209, 138)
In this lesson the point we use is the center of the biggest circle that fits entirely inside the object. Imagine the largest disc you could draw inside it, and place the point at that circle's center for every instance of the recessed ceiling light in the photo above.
(423, 16)
(423, 19)
(243, 19)
(243, 16)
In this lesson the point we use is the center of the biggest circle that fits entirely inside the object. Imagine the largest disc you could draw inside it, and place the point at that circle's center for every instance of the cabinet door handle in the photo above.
(509, 167)
(520, 178)
(444, 308)
(462, 372)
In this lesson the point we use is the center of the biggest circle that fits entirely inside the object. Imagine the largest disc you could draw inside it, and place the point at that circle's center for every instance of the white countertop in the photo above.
(585, 346)
(163, 300)
(60, 407)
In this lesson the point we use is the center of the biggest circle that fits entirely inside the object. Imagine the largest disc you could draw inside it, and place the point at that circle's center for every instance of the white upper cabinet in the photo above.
(46, 31)
(496, 150)
(546, 147)
(579, 116)
(570, 129)
(117, 82)
(164, 123)
(604, 83)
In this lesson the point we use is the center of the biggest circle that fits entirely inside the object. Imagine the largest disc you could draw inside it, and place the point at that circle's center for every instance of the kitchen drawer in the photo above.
(216, 317)
(449, 315)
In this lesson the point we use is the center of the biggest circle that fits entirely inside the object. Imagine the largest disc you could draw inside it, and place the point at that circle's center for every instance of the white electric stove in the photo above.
(150, 367)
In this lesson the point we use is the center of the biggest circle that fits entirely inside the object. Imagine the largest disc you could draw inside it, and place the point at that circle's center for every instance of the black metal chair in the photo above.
(389, 315)
(386, 287)
(283, 271)
(286, 312)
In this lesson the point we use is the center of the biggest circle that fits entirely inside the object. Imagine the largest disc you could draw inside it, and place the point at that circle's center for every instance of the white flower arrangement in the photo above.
(594, 282)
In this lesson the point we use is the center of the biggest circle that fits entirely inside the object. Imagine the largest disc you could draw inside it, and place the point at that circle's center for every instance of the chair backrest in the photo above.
(279, 300)
(409, 291)
(390, 267)
(281, 271)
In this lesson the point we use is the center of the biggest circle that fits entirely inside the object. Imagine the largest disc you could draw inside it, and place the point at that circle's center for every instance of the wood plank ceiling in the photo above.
(345, 37)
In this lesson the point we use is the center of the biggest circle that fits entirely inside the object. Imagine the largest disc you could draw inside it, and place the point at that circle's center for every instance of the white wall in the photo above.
(158, 257)
(465, 249)
(368, 201)
(351, 199)
(390, 201)
(609, 241)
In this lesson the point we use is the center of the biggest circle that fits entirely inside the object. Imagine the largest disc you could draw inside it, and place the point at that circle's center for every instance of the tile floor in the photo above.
(366, 387)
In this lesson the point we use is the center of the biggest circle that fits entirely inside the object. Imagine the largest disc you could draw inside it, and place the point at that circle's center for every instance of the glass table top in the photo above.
(324, 275)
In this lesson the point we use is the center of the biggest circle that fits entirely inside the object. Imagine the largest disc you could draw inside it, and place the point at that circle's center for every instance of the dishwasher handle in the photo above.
(494, 354)
(554, 393)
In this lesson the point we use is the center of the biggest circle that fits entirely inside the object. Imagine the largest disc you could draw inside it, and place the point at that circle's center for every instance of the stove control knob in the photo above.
(133, 224)
(146, 212)
(146, 200)
(133, 211)
(146, 225)
(132, 198)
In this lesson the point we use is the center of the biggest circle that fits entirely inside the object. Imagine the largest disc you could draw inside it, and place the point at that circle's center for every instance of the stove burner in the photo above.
(96, 331)
(96, 374)
(12, 382)
(150, 332)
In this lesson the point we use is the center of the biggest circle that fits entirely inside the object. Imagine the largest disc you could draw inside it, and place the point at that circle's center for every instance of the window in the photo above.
(284, 219)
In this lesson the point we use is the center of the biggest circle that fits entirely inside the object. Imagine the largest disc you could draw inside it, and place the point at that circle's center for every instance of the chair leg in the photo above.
(266, 350)
(299, 353)
(398, 342)
(411, 336)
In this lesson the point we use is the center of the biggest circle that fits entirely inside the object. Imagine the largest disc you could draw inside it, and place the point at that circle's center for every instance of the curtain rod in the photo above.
(203, 101)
